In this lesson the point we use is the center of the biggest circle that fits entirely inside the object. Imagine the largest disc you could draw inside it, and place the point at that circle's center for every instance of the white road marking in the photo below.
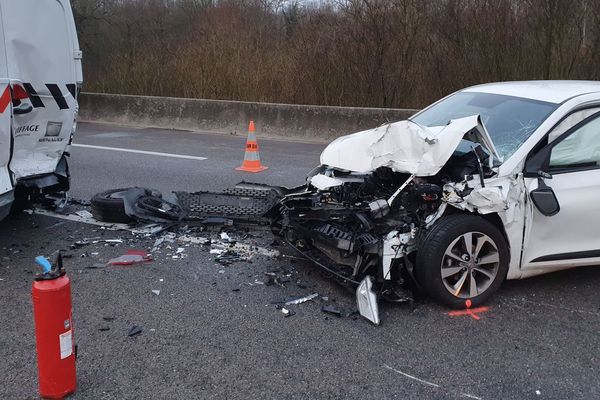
(470, 396)
(411, 377)
(150, 153)
(435, 385)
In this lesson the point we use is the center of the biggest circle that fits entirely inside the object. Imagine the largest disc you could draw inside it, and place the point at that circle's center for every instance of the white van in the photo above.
(40, 77)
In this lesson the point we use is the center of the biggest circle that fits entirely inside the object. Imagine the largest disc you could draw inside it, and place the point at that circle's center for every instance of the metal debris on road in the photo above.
(134, 330)
(301, 300)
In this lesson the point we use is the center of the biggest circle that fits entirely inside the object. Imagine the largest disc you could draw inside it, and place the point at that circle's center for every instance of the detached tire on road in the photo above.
(109, 207)
(462, 257)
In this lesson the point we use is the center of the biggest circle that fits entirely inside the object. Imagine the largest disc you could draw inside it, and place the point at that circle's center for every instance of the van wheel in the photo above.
(109, 207)
(463, 257)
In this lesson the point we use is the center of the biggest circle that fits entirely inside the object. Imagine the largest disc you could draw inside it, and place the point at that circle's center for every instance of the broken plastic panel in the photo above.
(131, 257)
(366, 300)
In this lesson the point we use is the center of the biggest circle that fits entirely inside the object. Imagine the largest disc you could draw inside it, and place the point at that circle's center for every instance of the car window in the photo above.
(570, 121)
(581, 149)
(509, 120)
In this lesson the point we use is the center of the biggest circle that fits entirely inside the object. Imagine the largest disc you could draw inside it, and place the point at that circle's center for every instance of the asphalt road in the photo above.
(93, 169)
(212, 332)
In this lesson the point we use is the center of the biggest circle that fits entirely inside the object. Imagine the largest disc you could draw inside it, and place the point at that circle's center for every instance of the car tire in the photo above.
(107, 208)
(452, 274)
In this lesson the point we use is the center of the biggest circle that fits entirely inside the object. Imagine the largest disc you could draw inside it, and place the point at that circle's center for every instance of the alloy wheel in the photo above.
(470, 265)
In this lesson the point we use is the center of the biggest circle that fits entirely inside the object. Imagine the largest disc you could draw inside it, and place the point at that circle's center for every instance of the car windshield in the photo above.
(509, 120)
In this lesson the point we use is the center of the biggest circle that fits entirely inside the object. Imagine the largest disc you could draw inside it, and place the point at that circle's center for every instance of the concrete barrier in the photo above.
(274, 120)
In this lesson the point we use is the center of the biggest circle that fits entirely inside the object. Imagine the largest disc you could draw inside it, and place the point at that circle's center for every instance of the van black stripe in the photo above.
(72, 89)
(57, 94)
(33, 96)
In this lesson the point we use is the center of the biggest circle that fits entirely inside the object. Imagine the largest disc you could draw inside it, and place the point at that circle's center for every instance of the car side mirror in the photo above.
(545, 199)
(536, 165)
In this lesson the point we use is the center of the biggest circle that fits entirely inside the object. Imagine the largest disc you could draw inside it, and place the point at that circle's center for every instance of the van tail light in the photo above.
(18, 93)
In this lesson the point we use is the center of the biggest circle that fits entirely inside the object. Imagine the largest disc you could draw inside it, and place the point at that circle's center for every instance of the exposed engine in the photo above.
(356, 225)
(350, 223)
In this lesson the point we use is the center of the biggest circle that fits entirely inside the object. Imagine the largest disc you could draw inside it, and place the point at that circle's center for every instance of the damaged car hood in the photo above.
(405, 146)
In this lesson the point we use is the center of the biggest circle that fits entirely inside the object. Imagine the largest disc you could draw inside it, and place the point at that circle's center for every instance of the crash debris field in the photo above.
(227, 309)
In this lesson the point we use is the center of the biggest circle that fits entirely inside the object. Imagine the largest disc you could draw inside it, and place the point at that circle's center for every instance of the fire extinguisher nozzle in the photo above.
(44, 263)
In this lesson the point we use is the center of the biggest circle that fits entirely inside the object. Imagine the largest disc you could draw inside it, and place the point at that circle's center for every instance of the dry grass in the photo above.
(380, 53)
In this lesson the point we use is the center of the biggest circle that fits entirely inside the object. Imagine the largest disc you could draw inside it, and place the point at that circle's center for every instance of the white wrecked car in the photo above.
(494, 181)
(40, 76)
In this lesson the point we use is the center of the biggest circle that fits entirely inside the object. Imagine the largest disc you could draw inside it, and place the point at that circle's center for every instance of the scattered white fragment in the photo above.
(179, 250)
(285, 311)
(221, 271)
(28, 211)
(216, 251)
(83, 214)
(248, 251)
(537, 392)
(301, 299)
(147, 229)
(161, 280)
(113, 240)
(156, 292)
(157, 243)
(170, 237)
(193, 239)
(225, 236)
(94, 253)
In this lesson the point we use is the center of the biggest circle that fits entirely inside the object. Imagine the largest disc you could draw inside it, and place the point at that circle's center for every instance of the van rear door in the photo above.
(5, 134)
(42, 54)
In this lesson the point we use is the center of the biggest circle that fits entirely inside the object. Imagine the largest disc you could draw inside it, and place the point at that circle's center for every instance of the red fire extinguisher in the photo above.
(51, 293)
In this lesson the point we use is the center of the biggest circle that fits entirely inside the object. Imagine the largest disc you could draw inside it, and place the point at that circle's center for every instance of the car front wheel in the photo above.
(462, 257)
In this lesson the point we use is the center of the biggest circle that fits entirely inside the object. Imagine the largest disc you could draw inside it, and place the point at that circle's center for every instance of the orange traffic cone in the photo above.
(251, 157)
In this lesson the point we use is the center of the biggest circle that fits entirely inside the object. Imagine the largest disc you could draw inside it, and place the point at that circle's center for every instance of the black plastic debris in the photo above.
(134, 330)
(247, 204)
(104, 328)
(329, 309)
(80, 202)
(270, 278)
(229, 257)
(216, 221)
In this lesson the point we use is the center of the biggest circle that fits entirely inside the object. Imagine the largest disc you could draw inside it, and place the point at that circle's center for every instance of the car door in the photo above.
(563, 181)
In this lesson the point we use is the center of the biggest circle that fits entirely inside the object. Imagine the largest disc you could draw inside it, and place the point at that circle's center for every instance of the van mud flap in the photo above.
(242, 203)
